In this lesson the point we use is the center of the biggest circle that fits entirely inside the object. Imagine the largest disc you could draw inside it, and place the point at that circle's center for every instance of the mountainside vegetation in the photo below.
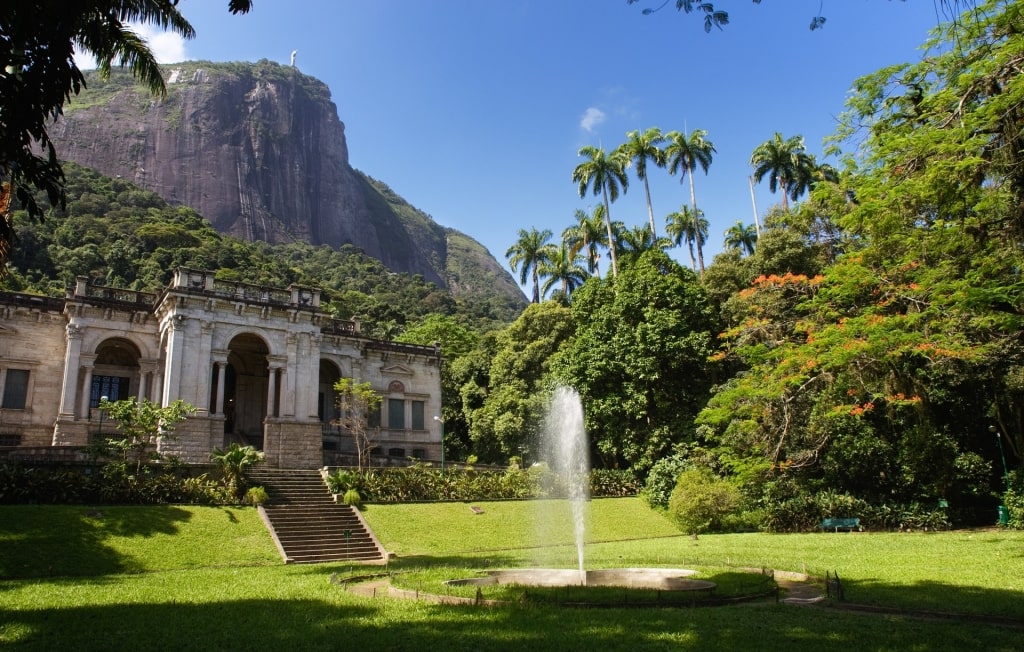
(121, 236)
(259, 151)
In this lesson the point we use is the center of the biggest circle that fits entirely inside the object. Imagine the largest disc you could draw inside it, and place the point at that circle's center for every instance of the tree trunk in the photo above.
(696, 225)
(611, 238)
(650, 210)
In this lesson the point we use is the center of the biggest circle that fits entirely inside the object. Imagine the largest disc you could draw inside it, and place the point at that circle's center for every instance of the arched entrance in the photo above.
(327, 408)
(246, 382)
(115, 372)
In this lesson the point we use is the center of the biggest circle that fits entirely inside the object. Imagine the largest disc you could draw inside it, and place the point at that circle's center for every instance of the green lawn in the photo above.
(209, 578)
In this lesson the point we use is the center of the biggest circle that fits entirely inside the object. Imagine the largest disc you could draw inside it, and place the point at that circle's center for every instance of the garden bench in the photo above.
(836, 524)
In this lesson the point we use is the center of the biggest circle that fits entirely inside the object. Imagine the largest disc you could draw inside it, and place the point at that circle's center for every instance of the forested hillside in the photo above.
(120, 235)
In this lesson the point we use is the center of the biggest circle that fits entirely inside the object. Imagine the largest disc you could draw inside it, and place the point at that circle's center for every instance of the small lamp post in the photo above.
(441, 421)
(999, 441)
(103, 399)
(1004, 514)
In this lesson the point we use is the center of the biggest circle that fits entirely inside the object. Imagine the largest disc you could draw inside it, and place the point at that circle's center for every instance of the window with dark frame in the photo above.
(15, 389)
(417, 416)
(115, 388)
(396, 414)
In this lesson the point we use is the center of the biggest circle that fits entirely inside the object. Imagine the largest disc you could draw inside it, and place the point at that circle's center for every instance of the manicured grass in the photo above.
(199, 578)
(453, 528)
(77, 540)
(973, 572)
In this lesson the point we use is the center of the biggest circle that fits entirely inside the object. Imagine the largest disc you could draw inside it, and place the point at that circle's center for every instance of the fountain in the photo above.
(566, 447)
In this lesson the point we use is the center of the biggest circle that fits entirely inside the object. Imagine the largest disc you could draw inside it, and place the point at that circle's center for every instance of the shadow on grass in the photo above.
(71, 540)
(937, 597)
(379, 624)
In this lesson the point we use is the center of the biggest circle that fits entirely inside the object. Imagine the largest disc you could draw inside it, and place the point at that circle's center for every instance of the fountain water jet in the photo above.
(567, 448)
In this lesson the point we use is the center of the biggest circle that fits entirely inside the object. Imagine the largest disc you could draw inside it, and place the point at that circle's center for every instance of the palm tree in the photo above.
(741, 236)
(638, 240)
(530, 252)
(563, 266)
(605, 174)
(683, 225)
(233, 463)
(786, 163)
(684, 154)
(640, 148)
(587, 235)
(810, 174)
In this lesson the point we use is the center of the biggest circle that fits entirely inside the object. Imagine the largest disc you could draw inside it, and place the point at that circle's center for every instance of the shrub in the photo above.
(342, 480)
(701, 500)
(662, 479)
(352, 498)
(1013, 499)
(790, 507)
(256, 496)
(613, 483)
(233, 463)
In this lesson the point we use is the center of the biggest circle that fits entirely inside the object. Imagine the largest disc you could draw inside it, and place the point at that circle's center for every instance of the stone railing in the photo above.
(252, 293)
(119, 297)
(34, 301)
(340, 327)
(205, 282)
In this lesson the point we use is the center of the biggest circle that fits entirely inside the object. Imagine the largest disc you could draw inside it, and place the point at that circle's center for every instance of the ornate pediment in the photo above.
(397, 370)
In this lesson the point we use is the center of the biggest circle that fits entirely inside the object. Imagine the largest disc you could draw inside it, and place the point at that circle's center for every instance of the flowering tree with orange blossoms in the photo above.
(882, 377)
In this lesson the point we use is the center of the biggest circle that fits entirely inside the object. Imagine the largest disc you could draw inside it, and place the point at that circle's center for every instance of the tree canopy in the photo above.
(39, 75)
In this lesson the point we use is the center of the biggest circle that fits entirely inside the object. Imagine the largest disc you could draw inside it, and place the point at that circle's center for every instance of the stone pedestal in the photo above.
(68, 432)
(194, 439)
(293, 445)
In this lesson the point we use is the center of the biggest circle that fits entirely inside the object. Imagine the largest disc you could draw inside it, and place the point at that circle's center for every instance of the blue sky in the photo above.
(474, 110)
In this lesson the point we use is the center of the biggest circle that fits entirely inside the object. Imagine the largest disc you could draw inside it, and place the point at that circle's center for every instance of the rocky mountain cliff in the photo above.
(259, 150)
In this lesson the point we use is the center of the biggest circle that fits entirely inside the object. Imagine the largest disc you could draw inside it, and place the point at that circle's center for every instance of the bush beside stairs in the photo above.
(308, 526)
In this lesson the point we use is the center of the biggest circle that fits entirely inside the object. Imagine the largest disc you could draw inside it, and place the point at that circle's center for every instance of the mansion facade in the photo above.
(258, 363)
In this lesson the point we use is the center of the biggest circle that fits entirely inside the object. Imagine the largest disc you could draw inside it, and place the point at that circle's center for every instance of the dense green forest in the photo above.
(122, 236)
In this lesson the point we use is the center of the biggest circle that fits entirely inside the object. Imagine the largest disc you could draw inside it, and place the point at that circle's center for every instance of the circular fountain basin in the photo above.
(664, 579)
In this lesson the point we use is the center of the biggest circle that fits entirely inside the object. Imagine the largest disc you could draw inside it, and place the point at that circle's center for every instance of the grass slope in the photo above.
(183, 578)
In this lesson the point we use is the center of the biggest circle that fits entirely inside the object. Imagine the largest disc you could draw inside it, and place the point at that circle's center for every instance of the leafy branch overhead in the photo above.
(718, 18)
(38, 76)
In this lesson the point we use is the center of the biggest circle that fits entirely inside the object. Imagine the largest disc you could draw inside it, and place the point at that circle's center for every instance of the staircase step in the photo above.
(308, 524)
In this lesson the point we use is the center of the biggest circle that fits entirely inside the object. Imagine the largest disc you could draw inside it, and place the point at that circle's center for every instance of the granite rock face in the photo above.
(259, 150)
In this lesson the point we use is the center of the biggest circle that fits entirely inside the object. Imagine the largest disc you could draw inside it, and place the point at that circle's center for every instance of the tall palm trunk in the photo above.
(650, 209)
(696, 225)
(611, 238)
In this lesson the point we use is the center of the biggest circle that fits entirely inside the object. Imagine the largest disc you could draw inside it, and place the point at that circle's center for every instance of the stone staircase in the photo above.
(307, 525)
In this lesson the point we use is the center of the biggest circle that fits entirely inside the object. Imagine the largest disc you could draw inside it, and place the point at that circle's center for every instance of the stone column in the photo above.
(158, 387)
(175, 358)
(83, 407)
(72, 363)
(147, 377)
(220, 363)
(272, 391)
(292, 362)
(309, 390)
(202, 360)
